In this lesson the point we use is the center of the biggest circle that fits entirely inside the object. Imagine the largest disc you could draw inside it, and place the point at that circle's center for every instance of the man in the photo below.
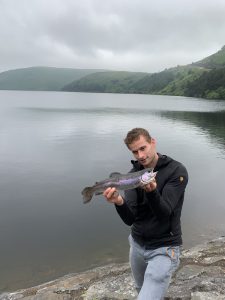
(153, 212)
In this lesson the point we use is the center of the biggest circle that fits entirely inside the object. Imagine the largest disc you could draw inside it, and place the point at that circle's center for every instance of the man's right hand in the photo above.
(113, 196)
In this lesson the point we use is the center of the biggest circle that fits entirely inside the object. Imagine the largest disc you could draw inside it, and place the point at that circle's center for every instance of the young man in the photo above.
(153, 212)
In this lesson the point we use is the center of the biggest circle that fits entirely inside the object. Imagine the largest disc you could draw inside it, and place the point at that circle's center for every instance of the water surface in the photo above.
(53, 144)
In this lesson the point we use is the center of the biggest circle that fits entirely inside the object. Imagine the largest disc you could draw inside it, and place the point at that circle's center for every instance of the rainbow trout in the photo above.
(120, 182)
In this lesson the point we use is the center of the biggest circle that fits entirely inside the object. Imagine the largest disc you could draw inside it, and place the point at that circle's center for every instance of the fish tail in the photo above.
(87, 194)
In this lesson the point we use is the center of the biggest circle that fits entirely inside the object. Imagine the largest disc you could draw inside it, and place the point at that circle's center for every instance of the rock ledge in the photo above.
(201, 276)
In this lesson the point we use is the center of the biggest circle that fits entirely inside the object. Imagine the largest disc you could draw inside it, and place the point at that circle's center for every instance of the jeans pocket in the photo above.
(174, 255)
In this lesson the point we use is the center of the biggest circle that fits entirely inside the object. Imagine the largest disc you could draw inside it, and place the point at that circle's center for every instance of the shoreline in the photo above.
(201, 275)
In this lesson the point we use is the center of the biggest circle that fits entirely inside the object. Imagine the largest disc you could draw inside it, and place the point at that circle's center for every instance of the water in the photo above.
(53, 144)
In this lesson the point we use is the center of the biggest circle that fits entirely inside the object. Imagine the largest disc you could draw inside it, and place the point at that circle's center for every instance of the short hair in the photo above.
(134, 135)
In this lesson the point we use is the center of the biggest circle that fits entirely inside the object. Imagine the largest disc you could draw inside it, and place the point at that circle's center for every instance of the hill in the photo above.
(210, 85)
(171, 82)
(168, 82)
(214, 61)
(40, 78)
(204, 78)
(106, 82)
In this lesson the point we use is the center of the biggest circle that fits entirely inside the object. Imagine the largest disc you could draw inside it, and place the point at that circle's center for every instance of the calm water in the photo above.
(54, 144)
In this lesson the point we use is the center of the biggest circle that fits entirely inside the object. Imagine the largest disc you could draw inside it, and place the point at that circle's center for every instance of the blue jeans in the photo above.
(152, 269)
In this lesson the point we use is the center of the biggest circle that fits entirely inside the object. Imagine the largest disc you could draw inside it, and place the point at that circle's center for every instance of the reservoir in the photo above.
(53, 144)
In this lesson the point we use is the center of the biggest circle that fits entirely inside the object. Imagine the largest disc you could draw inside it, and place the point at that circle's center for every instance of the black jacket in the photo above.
(155, 217)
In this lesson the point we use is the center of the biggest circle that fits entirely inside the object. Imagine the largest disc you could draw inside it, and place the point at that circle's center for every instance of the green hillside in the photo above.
(209, 85)
(40, 78)
(204, 78)
(153, 83)
(170, 82)
(182, 77)
(214, 61)
(106, 82)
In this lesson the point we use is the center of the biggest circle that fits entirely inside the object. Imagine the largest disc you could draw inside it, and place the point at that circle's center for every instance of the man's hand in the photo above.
(112, 196)
(151, 186)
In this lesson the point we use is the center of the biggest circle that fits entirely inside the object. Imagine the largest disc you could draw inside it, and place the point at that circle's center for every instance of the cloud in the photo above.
(138, 35)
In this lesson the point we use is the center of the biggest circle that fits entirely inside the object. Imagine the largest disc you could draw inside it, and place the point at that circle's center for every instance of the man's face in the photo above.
(143, 151)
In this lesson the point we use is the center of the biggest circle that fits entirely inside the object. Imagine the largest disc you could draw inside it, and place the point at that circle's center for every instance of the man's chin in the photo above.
(143, 162)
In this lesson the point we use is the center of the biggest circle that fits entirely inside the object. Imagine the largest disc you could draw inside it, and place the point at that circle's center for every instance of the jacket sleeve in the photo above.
(127, 211)
(164, 204)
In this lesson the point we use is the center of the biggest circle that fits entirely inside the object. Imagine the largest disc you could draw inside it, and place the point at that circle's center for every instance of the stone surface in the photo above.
(206, 296)
(201, 276)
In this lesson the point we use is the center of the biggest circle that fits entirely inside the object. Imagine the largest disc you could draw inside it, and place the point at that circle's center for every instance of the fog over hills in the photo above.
(205, 79)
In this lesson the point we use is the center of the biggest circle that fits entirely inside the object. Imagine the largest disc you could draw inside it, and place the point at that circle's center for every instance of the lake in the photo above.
(53, 144)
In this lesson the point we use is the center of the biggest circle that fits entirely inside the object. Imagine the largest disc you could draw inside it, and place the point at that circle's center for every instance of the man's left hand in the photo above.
(150, 187)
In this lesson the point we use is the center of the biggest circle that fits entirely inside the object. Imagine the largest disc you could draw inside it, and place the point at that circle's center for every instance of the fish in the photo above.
(120, 182)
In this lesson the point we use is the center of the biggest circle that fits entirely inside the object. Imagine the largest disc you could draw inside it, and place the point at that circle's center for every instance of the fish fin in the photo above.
(114, 174)
(98, 193)
(87, 194)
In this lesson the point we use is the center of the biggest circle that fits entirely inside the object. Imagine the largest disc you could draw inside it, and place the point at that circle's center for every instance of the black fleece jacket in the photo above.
(154, 217)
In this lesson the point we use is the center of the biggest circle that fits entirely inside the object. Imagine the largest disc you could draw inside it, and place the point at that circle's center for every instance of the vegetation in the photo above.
(213, 61)
(106, 82)
(209, 85)
(205, 79)
(182, 77)
(40, 78)
(152, 84)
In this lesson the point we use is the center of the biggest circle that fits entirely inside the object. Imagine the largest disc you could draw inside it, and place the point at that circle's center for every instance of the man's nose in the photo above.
(140, 154)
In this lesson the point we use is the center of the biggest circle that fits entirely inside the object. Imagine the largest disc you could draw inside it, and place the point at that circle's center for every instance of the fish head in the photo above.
(148, 176)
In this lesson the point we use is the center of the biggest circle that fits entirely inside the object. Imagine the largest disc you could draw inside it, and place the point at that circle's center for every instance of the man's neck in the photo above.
(154, 161)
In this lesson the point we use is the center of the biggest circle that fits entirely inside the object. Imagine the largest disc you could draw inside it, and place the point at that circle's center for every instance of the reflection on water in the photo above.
(54, 144)
(211, 123)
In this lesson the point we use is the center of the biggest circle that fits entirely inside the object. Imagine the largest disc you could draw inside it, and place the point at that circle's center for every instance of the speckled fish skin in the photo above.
(120, 182)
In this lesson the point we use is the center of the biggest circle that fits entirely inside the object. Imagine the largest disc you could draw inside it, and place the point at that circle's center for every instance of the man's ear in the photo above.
(153, 141)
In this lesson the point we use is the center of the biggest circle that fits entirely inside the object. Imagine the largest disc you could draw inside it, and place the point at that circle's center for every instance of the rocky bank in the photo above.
(201, 275)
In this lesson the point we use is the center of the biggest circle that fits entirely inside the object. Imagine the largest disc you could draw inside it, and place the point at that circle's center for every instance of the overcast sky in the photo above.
(133, 35)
